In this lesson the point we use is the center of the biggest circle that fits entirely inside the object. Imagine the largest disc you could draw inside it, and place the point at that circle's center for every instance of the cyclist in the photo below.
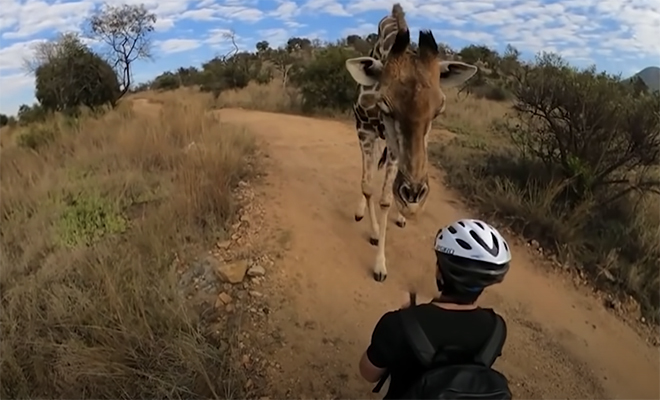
(470, 256)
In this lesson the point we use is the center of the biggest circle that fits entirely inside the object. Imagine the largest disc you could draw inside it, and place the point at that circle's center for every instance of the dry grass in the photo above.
(92, 217)
(270, 97)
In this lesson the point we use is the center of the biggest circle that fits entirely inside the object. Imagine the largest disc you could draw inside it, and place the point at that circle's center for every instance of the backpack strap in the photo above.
(493, 347)
(419, 342)
(427, 354)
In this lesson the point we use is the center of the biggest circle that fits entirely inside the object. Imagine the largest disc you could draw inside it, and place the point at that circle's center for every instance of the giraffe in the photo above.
(399, 96)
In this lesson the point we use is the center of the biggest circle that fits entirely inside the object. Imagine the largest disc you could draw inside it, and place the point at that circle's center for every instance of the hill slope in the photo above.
(651, 77)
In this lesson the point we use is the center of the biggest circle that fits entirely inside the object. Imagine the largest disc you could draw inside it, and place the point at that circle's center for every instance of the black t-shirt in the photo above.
(466, 329)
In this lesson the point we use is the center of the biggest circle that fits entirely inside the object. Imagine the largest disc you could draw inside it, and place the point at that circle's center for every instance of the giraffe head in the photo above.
(409, 96)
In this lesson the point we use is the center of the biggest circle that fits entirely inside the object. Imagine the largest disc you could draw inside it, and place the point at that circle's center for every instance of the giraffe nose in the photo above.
(413, 193)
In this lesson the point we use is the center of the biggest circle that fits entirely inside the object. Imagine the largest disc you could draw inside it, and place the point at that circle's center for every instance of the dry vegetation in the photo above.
(96, 210)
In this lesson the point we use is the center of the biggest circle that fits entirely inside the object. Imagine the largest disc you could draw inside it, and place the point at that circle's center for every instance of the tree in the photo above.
(296, 44)
(126, 30)
(324, 83)
(4, 120)
(72, 75)
(283, 61)
(359, 44)
(47, 51)
(598, 134)
(263, 47)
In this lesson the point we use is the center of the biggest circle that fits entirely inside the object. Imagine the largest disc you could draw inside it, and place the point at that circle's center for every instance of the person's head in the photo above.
(470, 256)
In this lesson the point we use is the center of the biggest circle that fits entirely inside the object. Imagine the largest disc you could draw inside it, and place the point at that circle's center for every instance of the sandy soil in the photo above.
(562, 343)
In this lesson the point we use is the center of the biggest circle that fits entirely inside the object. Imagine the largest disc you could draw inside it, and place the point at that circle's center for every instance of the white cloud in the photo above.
(362, 29)
(170, 46)
(12, 57)
(14, 83)
(275, 37)
(33, 17)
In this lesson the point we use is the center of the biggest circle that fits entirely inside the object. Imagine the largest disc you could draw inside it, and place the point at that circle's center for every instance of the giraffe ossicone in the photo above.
(399, 96)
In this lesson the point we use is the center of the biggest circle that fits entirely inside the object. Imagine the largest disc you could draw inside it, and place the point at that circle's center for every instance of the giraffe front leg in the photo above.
(380, 269)
(367, 141)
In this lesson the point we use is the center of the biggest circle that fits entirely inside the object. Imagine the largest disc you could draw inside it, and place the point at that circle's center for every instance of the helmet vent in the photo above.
(464, 244)
(492, 250)
(452, 229)
(506, 246)
(480, 225)
(461, 223)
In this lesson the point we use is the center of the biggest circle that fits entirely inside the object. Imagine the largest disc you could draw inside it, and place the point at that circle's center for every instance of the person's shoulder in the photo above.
(389, 319)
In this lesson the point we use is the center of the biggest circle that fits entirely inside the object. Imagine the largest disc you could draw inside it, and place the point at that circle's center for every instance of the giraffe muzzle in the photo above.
(410, 198)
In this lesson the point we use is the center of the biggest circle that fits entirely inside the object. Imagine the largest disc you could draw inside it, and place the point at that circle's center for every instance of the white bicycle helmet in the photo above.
(472, 254)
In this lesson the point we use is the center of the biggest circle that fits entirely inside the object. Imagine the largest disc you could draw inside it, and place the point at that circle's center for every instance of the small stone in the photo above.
(222, 300)
(229, 308)
(256, 270)
(254, 293)
(224, 245)
(535, 244)
(232, 272)
(248, 384)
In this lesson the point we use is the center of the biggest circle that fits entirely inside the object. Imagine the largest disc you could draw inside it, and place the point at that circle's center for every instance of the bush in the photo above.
(28, 115)
(74, 77)
(87, 218)
(324, 83)
(166, 81)
(36, 137)
(599, 133)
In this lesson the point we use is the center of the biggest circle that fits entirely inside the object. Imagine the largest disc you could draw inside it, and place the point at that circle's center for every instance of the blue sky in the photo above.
(620, 36)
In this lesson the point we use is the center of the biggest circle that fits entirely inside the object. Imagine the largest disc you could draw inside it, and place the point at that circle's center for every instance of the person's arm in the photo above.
(378, 356)
(370, 372)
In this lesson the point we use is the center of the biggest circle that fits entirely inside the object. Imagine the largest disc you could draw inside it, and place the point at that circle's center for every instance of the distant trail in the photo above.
(562, 344)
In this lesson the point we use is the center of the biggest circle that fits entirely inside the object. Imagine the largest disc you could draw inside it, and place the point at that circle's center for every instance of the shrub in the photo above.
(74, 78)
(597, 132)
(324, 83)
(86, 218)
(36, 136)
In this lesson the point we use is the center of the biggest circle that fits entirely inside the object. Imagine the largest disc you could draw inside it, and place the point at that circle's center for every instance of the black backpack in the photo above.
(443, 380)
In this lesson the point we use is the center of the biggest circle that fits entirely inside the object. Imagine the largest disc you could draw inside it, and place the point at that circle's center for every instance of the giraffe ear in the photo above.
(364, 70)
(454, 73)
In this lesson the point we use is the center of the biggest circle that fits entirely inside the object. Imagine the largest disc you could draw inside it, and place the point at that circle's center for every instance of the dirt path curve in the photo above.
(562, 344)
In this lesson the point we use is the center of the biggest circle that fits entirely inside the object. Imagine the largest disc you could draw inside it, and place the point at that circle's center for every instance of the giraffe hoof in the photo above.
(358, 218)
(373, 242)
(401, 224)
(379, 276)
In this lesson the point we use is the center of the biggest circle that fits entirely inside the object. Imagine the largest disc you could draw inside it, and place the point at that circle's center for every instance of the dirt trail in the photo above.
(562, 344)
